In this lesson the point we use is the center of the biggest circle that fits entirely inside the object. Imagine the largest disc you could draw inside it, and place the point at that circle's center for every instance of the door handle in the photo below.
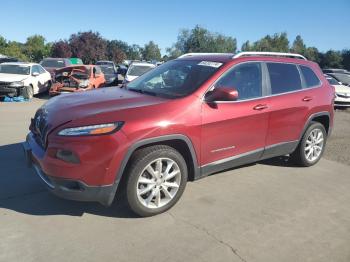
(307, 98)
(260, 107)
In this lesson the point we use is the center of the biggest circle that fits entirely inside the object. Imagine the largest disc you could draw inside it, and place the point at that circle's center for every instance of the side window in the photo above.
(310, 77)
(41, 70)
(283, 78)
(97, 70)
(246, 78)
(35, 69)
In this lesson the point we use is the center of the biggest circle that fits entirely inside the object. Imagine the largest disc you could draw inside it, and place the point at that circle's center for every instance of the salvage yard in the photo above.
(269, 211)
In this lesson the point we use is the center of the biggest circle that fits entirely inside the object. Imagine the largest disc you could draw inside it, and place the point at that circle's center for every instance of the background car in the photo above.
(5, 59)
(111, 75)
(51, 64)
(26, 79)
(76, 61)
(107, 62)
(76, 79)
(342, 92)
(342, 77)
(137, 69)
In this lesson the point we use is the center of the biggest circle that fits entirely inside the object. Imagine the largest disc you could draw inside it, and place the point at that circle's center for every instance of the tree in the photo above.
(36, 49)
(346, 58)
(151, 51)
(14, 49)
(61, 49)
(200, 39)
(276, 43)
(89, 46)
(298, 46)
(115, 53)
(331, 59)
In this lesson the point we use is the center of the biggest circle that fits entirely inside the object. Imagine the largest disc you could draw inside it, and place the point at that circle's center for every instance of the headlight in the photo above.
(84, 83)
(100, 129)
(17, 84)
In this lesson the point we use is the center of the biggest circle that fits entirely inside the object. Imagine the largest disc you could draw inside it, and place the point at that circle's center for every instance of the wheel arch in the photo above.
(322, 118)
(180, 142)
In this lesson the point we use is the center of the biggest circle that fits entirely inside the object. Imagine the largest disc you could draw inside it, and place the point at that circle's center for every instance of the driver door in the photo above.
(234, 132)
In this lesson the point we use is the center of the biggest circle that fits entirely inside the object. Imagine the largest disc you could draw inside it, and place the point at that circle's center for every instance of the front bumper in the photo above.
(342, 101)
(8, 91)
(68, 188)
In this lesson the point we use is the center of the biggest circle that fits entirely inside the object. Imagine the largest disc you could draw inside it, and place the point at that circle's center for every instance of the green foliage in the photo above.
(275, 43)
(200, 39)
(346, 58)
(36, 49)
(151, 51)
(331, 59)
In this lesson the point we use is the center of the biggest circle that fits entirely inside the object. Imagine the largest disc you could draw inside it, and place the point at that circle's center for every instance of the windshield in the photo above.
(137, 70)
(332, 81)
(108, 70)
(344, 78)
(15, 69)
(174, 79)
(53, 63)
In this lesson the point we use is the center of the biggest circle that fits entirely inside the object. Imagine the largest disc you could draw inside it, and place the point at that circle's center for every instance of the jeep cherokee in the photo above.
(190, 117)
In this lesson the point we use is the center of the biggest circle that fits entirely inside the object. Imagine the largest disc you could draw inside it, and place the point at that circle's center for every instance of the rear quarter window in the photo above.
(310, 77)
(284, 78)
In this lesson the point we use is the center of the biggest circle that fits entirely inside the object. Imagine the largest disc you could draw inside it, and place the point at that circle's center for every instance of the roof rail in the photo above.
(199, 54)
(269, 54)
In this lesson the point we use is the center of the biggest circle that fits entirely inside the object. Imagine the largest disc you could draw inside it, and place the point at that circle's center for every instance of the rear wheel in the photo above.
(28, 92)
(311, 146)
(157, 178)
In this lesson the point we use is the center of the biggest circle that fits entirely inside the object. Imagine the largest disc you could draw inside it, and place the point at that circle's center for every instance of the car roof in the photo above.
(20, 63)
(142, 64)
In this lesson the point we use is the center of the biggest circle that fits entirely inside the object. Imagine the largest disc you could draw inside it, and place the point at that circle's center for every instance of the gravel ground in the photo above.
(338, 145)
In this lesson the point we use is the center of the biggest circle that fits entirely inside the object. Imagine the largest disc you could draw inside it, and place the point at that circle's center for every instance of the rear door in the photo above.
(234, 132)
(290, 104)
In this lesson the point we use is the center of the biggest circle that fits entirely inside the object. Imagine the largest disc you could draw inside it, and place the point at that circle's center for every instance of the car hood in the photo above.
(12, 77)
(99, 104)
(342, 89)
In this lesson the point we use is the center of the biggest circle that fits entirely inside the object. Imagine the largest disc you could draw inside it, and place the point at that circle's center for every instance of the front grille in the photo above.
(4, 83)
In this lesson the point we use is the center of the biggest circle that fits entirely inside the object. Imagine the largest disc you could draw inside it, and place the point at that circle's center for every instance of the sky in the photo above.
(323, 24)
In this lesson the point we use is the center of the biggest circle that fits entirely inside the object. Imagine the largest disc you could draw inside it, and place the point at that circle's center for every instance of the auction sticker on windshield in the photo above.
(211, 64)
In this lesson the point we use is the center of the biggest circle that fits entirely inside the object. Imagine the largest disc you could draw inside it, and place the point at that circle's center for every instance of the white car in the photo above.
(137, 69)
(342, 92)
(26, 79)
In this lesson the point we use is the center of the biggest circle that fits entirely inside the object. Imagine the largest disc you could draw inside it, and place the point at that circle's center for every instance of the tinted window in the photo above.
(35, 69)
(245, 78)
(41, 70)
(284, 78)
(53, 63)
(176, 78)
(332, 81)
(310, 77)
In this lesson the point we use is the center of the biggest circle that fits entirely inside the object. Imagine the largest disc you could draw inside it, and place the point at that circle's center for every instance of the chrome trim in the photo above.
(217, 162)
(278, 54)
(41, 174)
(222, 149)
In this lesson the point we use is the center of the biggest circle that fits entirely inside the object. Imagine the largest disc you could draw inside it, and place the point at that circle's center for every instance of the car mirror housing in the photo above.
(35, 74)
(222, 94)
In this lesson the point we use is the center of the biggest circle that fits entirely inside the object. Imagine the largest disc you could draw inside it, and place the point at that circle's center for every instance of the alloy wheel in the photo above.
(158, 183)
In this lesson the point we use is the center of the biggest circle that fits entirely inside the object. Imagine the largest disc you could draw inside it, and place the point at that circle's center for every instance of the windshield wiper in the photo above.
(142, 91)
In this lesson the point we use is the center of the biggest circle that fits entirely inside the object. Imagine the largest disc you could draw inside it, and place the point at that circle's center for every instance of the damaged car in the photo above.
(77, 79)
(23, 79)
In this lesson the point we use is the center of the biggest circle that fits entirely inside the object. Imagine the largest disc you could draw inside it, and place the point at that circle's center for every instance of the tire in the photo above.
(314, 138)
(49, 84)
(149, 194)
(28, 92)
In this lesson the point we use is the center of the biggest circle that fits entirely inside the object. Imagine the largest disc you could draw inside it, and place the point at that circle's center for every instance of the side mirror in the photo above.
(222, 94)
(35, 74)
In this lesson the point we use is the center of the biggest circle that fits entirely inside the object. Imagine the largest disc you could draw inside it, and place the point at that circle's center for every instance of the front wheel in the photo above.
(157, 178)
(28, 92)
(311, 146)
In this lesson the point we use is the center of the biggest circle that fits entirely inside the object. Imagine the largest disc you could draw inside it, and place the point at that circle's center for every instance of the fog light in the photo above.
(67, 156)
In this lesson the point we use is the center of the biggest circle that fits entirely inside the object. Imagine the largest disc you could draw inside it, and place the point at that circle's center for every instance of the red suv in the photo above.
(190, 117)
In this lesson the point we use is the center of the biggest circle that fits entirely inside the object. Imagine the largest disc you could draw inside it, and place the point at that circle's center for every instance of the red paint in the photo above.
(243, 125)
